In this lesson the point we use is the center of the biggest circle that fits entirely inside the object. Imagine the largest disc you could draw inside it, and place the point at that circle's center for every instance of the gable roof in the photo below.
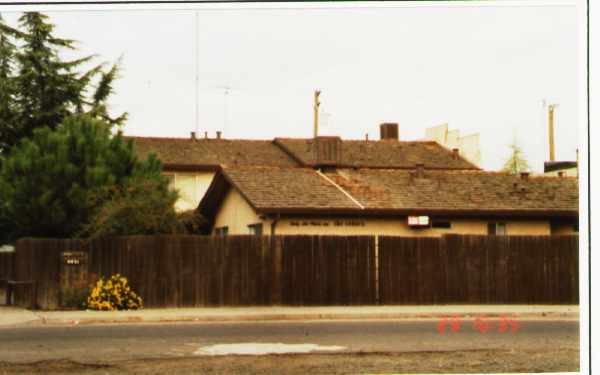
(199, 154)
(380, 154)
(395, 192)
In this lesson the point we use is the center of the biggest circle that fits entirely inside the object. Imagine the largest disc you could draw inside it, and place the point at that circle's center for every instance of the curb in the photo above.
(305, 317)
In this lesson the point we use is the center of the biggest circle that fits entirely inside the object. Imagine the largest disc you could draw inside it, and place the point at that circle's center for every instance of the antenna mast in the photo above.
(551, 108)
(197, 60)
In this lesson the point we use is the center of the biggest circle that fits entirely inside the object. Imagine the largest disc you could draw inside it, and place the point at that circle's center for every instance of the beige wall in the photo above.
(236, 214)
(399, 227)
(191, 186)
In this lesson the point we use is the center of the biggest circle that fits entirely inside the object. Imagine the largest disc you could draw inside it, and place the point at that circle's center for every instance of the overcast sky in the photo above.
(479, 69)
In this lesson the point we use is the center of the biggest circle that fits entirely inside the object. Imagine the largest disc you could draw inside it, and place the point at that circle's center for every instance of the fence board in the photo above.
(170, 271)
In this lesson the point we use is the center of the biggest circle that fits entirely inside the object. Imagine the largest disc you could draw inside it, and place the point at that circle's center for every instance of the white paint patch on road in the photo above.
(253, 348)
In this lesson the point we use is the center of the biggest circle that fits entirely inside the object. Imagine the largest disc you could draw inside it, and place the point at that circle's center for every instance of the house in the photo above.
(416, 202)
(561, 168)
(191, 163)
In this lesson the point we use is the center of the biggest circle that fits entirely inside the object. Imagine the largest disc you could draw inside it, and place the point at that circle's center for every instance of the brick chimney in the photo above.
(328, 151)
(389, 131)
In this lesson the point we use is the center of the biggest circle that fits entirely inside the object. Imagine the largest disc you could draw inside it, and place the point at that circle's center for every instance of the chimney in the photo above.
(367, 137)
(420, 170)
(455, 153)
(193, 136)
(328, 151)
(218, 134)
(205, 135)
(524, 175)
(389, 131)
(561, 174)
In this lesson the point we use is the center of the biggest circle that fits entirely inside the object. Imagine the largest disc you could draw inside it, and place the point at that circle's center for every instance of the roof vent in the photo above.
(420, 170)
(389, 131)
(205, 135)
(524, 175)
(328, 151)
(455, 153)
(561, 174)
(218, 134)
(193, 136)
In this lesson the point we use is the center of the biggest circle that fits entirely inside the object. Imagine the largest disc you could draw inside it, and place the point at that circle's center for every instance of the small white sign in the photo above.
(418, 221)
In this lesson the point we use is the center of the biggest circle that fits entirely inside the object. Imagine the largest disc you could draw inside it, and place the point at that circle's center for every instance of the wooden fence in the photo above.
(170, 271)
(6, 265)
(479, 270)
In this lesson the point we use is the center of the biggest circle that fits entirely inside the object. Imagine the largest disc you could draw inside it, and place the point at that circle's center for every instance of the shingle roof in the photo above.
(382, 191)
(381, 154)
(185, 152)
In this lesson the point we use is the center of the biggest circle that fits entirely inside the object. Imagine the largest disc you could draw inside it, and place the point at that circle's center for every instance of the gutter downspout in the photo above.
(274, 224)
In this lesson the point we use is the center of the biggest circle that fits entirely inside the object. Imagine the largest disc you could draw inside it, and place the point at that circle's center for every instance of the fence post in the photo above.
(377, 301)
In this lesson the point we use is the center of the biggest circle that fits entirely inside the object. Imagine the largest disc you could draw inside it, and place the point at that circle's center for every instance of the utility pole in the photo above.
(197, 64)
(316, 113)
(551, 108)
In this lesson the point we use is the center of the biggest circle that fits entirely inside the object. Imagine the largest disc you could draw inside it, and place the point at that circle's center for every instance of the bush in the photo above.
(113, 294)
(141, 206)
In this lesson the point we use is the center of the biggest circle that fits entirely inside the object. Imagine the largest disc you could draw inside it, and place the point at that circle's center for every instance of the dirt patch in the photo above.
(474, 361)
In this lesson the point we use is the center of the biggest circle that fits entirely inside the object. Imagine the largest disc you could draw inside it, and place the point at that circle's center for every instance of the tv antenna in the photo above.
(226, 90)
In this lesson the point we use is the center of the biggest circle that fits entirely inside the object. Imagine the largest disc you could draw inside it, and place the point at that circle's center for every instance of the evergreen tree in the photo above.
(7, 89)
(517, 162)
(54, 184)
(44, 88)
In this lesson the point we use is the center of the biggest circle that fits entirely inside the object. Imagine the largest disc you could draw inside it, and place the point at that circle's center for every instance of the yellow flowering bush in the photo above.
(113, 293)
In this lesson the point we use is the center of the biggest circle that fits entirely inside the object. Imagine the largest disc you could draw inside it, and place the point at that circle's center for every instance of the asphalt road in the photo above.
(93, 343)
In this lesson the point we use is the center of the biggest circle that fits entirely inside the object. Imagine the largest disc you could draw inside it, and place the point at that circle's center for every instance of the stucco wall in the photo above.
(399, 227)
(191, 187)
(236, 214)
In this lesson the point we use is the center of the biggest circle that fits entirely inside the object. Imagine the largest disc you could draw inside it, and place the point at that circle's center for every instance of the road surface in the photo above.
(109, 344)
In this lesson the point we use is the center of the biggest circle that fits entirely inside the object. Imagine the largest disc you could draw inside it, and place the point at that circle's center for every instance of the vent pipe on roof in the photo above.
(218, 134)
(193, 136)
(455, 153)
(561, 174)
(205, 135)
(367, 137)
(420, 170)
(389, 131)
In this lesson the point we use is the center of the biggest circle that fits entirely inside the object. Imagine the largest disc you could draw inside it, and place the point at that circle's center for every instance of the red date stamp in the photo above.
(481, 324)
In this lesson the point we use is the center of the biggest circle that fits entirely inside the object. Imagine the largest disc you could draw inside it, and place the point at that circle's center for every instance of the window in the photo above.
(256, 229)
(221, 231)
(445, 224)
(498, 229)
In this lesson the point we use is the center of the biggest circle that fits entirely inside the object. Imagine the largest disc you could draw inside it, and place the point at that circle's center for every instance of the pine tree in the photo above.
(7, 89)
(55, 183)
(45, 88)
(517, 162)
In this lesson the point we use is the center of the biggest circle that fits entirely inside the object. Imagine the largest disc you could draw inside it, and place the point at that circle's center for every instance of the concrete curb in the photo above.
(302, 317)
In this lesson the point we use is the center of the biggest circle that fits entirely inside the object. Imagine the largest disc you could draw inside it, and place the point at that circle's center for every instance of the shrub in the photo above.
(113, 294)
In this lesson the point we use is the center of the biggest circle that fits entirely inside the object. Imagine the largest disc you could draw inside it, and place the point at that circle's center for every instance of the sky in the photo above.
(481, 69)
